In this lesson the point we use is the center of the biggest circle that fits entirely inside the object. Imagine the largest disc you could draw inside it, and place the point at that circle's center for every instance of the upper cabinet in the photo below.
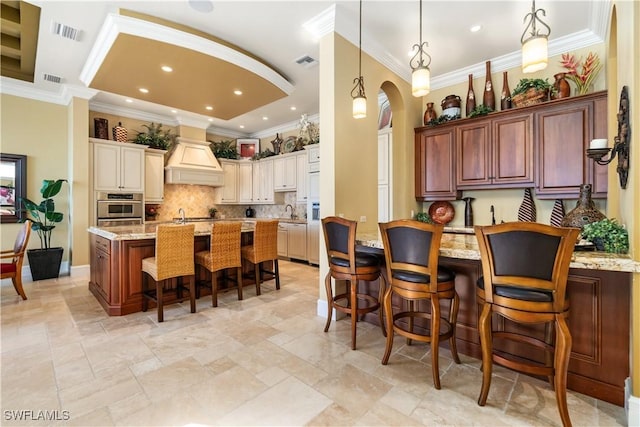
(118, 166)
(154, 175)
(302, 172)
(228, 193)
(284, 172)
(541, 146)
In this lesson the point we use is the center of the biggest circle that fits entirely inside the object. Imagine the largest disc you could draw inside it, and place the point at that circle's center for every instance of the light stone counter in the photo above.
(465, 246)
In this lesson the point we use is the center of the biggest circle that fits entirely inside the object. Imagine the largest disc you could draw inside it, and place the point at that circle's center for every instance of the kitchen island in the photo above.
(116, 261)
(599, 290)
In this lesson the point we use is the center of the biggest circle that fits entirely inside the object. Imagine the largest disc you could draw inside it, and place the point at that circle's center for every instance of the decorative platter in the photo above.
(441, 212)
(289, 144)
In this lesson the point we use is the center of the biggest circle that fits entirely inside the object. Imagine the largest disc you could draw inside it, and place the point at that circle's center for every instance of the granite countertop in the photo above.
(463, 245)
(148, 230)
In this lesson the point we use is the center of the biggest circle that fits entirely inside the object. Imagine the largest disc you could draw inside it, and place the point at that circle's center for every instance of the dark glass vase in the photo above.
(489, 97)
(505, 96)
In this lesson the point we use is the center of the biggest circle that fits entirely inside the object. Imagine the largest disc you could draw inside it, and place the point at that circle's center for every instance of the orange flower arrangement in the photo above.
(590, 69)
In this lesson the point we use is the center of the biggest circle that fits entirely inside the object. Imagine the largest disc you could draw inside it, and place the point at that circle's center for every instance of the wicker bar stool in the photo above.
(264, 248)
(223, 253)
(345, 263)
(412, 250)
(174, 258)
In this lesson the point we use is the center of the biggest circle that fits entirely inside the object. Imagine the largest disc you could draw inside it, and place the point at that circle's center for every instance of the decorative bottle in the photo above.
(489, 98)
(471, 97)
(585, 211)
(561, 86)
(430, 114)
(505, 96)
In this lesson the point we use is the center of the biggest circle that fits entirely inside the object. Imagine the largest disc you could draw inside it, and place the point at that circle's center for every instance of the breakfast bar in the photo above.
(599, 290)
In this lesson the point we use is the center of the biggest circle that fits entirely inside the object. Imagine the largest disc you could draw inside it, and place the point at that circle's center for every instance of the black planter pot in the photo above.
(45, 263)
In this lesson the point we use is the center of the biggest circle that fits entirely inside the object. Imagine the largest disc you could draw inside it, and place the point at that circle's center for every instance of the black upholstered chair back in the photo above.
(409, 245)
(525, 262)
(340, 241)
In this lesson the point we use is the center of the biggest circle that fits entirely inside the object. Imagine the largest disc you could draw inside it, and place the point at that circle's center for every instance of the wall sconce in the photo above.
(421, 75)
(597, 149)
(357, 93)
(534, 48)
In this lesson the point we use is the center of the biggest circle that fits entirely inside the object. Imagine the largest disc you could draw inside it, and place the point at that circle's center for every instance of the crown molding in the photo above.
(226, 132)
(284, 127)
(100, 107)
(600, 17)
(62, 95)
(116, 24)
(322, 24)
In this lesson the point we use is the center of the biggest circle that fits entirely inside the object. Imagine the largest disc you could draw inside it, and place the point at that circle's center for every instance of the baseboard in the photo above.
(75, 271)
(80, 271)
(631, 405)
(321, 310)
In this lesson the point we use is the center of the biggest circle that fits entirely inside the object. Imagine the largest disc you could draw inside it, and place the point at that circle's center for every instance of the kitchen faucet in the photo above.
(289, 206)
(182, 218)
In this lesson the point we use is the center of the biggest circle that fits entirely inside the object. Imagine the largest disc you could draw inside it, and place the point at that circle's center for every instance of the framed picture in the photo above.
(248, 147)
(384, 119)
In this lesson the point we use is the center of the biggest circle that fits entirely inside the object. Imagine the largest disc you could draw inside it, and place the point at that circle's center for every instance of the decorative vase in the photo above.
(561, 86)
(120, 133)
(101, 128)
(527, 211)
(505, 96)
(277, 143)
(451, 106)
(430, 114)
(585, 211)
(557, 214)
(471, 97)
(489, 97)
(468, 211)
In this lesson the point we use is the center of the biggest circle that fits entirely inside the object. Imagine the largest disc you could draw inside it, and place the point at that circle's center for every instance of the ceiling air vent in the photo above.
(306, 61)
(65, 31)
(51, 78)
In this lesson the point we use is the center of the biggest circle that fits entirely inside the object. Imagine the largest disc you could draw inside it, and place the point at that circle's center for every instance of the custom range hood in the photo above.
(192, 162)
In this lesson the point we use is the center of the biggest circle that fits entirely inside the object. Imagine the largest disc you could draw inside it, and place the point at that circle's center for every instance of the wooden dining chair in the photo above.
(224, 253)
(13, 270)
(525, 267)
(174, 258)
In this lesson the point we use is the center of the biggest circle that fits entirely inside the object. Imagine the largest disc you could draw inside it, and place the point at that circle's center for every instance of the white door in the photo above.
(384, 175)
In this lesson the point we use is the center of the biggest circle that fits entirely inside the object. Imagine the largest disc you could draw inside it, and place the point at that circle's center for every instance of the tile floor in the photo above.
(261, 361)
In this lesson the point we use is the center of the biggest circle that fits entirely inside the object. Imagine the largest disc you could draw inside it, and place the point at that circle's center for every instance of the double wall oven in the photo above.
(119, 209)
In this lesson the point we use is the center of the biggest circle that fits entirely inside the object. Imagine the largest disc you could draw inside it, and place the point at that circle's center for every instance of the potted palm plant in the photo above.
(45, 262)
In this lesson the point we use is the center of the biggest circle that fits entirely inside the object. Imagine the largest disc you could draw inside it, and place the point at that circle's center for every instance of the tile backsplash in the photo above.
(197, 199)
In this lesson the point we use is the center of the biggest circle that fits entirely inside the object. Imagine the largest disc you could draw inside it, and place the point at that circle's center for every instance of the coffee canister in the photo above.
(451, 106)
(120, 133)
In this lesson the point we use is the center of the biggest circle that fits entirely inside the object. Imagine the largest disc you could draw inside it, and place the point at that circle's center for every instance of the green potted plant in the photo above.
(212, 212)
(530, 92)
(607, 235)
(224, 149)
(155, 137)
(45, 262)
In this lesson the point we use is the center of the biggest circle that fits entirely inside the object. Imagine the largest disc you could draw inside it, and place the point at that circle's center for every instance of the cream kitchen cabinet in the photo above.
(154, 175)
(292, 240)
(283, 240)
(284, 172)
(245, 182)
(263, 181)
(228, 193)
(118, 166)
(302, 175)
(313, 242)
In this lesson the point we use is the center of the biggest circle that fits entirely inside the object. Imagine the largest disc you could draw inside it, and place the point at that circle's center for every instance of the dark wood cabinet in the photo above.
(100, 276)
(434, 165)
(542, 146)
(495, 153)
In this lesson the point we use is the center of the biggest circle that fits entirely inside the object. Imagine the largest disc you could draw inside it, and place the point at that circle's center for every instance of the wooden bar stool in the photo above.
(412, 250)
(173, 259)
(264, 248)
(345, 263)
(525, 267)
(223, 253)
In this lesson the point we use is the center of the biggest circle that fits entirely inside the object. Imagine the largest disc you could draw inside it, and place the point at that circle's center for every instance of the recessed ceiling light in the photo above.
(129, 100)
(241, 126)
(166, 68)
(265, 118)
(204, 6)
(174, 111)
(475, 28)
(237, 92)
(293, 108)
(143, 90)
(210, 120)
(209, 107)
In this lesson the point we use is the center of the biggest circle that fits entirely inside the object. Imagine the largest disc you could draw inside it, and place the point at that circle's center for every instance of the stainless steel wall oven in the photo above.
(119, 209)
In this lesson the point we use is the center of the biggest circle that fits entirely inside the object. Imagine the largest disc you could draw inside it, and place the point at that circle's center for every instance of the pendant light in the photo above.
(534, 48)
(357, 93)
(421, 75)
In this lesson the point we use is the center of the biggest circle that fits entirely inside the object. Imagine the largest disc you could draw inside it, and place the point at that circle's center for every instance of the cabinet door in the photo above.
(434, 165)
(106, 167)
(473, 155)
(230, 188)
(245, 182)
(314, 186)
(314, 154)
(266, 181)
(256, 188)
(283, 243)
(599, 175)
(284, 173)
(153, 176)
(132, 169)
(313, 242)
(302, 173)
(512, 151)
(563, 134)
(297, 241)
